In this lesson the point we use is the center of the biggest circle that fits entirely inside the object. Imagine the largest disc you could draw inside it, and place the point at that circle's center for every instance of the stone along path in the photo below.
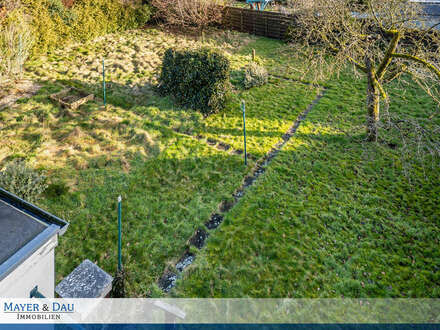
(169, 278)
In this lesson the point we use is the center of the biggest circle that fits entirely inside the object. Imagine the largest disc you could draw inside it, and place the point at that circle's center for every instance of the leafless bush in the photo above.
(15, 43)
(10, 5)
(255, 75)
(198, 14)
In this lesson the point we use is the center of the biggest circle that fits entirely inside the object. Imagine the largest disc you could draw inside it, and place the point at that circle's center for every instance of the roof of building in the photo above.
(24, 228)
(430, 7)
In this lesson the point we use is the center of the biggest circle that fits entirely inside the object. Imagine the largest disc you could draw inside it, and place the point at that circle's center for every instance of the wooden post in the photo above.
(103, 84)
(253, 55)
(265, 25)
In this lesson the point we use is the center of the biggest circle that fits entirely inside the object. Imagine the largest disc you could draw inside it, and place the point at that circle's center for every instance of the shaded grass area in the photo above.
(169, 182)
(164, 200)
(54, 137)
(333, 215)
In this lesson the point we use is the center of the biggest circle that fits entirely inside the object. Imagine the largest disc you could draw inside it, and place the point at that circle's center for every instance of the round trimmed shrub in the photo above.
(198, 79)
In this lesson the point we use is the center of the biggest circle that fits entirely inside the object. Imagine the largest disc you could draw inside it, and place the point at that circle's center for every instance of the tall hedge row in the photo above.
(198, 79)
(53, 23)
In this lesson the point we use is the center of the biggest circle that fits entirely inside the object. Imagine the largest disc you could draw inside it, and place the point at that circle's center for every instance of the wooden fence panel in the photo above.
(275, 25)
(261, 23)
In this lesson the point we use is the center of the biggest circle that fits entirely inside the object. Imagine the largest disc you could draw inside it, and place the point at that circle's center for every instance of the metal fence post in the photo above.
(243, 107)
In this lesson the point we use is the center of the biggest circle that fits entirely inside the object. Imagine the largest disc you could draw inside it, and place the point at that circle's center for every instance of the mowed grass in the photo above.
(142, 147)
(333, 215)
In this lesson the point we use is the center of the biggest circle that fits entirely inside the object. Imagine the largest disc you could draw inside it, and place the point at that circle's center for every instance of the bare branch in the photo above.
(419, 60)
(388, 58)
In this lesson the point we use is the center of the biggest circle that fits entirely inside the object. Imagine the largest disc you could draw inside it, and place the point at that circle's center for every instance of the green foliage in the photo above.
(255, 75)
(22, 180)
(49, 28)
(198, 79)
(54, 24)
(142, 14)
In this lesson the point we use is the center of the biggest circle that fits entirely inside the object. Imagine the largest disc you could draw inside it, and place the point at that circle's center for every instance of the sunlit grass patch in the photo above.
(333, 215)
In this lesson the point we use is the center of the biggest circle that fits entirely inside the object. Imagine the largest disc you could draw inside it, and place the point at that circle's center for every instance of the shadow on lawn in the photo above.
(165, 200)
(121, 96)
(124, 96)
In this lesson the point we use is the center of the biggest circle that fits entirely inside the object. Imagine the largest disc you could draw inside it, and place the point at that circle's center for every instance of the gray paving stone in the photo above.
(86, 281)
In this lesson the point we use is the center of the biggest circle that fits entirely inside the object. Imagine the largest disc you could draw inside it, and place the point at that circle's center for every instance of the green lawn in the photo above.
(333, 215)
(142, 146)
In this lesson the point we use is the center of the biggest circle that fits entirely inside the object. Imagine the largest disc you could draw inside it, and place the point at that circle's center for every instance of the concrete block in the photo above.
(86, 281)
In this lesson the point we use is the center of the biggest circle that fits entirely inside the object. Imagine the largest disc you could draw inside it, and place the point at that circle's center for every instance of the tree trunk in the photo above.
(373, 98)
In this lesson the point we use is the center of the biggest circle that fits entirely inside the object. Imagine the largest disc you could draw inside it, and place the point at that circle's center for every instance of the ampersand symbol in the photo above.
(45, 308)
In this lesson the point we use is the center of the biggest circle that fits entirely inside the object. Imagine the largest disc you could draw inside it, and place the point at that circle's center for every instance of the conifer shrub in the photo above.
(255, 75)
(22, 180)
(198, 79)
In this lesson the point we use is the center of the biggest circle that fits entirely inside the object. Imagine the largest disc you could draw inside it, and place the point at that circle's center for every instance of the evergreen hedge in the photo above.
(54, 24)
(198, 79)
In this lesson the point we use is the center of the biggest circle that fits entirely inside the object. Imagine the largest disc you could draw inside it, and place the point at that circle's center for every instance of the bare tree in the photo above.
(198, 14)
(382, 39)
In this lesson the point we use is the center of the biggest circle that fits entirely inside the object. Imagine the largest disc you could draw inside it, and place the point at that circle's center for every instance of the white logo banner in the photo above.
(215, 311)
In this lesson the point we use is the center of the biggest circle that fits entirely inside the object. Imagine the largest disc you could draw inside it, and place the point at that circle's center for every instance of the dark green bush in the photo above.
(198, 79)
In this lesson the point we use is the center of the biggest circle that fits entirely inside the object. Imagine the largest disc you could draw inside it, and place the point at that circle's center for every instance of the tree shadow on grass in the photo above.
(184, 121)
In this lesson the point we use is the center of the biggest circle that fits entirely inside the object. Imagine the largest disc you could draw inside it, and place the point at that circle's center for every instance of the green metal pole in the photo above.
(243, 107)
(119, 234)
(103, 82)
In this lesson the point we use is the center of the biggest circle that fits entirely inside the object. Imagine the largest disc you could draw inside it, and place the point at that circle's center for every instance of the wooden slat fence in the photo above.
(261, 23)
(275, 25)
